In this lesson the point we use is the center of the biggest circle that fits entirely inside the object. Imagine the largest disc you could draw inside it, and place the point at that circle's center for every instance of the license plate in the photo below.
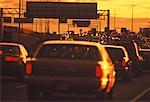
(62, 85)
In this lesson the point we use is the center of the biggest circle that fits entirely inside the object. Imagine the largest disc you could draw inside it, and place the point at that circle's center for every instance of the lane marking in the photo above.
(20, 86)
(140, 95)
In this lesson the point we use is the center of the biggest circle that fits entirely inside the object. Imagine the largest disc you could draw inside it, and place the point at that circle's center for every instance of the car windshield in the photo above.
(9, 50)
(116, 54)
(69, 51)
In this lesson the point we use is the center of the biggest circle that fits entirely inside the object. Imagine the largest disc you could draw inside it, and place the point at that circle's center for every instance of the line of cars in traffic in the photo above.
(72, 67)
(13, 58)
(121, 61)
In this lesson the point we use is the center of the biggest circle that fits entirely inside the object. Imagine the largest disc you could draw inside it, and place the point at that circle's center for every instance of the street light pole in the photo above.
(19, 18)
(114, 19)
(132, 18)
(59, 23)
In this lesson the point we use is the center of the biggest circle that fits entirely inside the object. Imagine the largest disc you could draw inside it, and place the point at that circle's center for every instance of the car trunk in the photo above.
(64, 67)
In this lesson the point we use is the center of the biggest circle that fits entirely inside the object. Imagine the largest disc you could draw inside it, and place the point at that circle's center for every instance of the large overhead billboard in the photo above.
(68, 10)
(23, 20)
(81, 23)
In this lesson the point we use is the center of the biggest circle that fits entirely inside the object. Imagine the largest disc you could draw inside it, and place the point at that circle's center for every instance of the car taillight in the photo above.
(1, 52)
(11, 59)
(123, 63)
(98, 71)
(28, 68)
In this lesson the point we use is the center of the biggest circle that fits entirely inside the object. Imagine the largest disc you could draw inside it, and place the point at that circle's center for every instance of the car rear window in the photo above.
(116, 54)
(69, 51)
(129, 46)
(9, 50)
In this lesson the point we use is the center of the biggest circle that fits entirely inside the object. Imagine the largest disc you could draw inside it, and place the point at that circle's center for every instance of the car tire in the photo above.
(101, 95)
(33, 93)
(137, 69)
(109, 96)
(47, 96)
(137, 73)
(126, 78)
(21, 77)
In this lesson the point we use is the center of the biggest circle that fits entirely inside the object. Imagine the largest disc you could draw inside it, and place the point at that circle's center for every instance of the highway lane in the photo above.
(13, 92)
(129, 91)
(123, 91)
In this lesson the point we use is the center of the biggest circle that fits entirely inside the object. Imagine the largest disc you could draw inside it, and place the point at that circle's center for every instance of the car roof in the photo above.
(118, 47)
(21, 47)
(8, 43)
(144, 50)
(72, 42)
(114, 46)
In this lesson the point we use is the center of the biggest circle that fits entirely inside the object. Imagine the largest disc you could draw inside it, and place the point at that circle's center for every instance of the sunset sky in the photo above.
(121, 9)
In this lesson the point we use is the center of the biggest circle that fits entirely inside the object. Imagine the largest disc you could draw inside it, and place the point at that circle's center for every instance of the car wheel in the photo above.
(101, 95)
(137, 73)
(126, 78)
(21, 77)
(109, 96)
(33, 93)
(47, 96)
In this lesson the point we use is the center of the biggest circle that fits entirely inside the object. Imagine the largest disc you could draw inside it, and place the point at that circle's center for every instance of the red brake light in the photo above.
(1, 52)
(123, 63)
(28, 68)
(11, 59)
(98, 71)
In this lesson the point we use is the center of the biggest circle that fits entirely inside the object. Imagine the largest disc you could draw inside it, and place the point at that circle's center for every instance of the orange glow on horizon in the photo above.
(120, 9)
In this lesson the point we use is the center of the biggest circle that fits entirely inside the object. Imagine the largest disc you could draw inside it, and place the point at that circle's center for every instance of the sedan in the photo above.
(70, 67)
(13, 57)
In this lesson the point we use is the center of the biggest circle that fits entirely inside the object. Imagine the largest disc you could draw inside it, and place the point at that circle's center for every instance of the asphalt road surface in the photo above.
(138, 90)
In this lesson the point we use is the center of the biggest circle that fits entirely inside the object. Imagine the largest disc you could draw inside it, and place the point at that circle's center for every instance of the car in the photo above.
(146, 56)
(95, 39)
(120, 58)
(13, 57)
(70, 67)
(134, 55)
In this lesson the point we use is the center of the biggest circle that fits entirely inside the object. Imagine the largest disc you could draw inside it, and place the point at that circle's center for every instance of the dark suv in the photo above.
(121, 61)
(134, 56)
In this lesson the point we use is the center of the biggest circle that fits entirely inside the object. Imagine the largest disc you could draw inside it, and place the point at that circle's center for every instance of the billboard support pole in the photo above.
(1, 25)
(48, 27)
(59, 26)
